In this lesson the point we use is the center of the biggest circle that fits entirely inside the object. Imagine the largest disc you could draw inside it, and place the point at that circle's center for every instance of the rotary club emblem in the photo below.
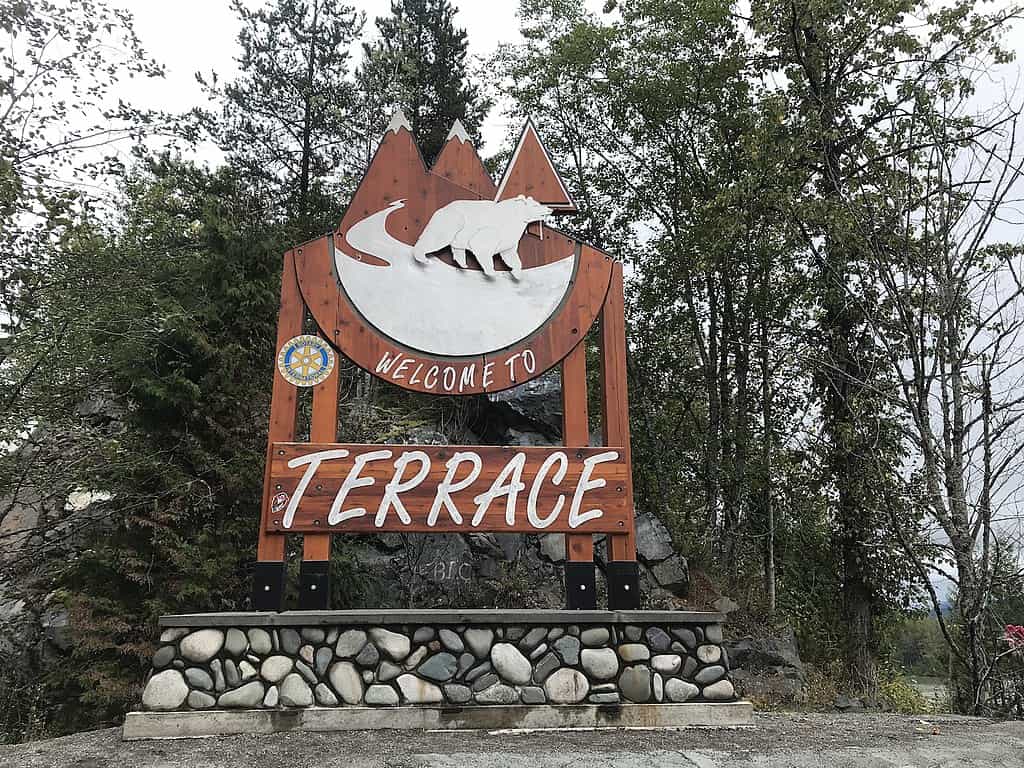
(305, 361)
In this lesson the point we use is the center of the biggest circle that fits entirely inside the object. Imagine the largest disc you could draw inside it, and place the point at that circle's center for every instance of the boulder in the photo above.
(566, 686)
(511, 664)
(165, 691)
(653, 541)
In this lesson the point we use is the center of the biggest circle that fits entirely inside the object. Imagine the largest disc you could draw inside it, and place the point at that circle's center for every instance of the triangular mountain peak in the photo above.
(459, 162)
(531, 172)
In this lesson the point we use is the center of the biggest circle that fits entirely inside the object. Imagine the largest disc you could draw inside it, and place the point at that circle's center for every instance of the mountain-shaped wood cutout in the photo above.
(532, 173)
(460, 164)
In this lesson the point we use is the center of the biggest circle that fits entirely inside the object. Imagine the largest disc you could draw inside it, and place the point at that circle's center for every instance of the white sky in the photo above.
(189, 36)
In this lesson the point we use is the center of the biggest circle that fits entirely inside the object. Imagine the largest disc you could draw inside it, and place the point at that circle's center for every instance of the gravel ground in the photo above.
(776, 741)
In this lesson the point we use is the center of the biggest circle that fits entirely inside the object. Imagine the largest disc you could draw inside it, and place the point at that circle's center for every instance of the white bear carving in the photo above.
(486, 228)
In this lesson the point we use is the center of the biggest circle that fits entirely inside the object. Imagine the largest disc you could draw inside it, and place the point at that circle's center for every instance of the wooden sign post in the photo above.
(440, 281)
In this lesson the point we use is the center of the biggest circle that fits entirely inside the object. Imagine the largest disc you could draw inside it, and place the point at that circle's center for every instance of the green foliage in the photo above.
(418, 63)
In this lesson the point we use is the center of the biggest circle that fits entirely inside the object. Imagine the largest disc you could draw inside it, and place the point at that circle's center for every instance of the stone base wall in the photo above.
(436, 663)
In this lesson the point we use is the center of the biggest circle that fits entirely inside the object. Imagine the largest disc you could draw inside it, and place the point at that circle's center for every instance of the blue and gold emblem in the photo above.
(305, 361)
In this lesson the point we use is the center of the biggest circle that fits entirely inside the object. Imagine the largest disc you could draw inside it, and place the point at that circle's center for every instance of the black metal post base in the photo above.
(268, 586)
(623, 585)
(580, 586)
(314, 585)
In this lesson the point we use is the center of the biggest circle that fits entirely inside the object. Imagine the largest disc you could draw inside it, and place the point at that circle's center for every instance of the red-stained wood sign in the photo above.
(441, 281)
(434, 489)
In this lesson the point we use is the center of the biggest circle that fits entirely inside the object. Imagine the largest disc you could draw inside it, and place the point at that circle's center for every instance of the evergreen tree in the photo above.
(286, 121)
(420, 59)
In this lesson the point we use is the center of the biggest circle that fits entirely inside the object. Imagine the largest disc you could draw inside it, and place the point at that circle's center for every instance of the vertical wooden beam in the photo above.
(576, 433)
(268, 582)
(614, 399)
(580, 580)
(283, 404)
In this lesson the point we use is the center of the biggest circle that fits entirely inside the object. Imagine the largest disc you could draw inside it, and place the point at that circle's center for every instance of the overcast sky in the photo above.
(190, 36)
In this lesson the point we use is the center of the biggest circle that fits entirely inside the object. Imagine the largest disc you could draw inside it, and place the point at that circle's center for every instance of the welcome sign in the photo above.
(441, 281)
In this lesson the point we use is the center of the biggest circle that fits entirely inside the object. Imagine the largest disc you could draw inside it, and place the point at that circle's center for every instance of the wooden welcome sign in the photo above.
(440, 281)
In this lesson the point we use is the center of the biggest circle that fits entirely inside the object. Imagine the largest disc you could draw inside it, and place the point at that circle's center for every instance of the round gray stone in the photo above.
(451, 641)
(163, 657)
(568, 648)
(388, 671)
(350, 643)
(306, 654)
(659, 687)
(416, 691)
(667, 663)
(533, 638)
(720, 691)
(272, 698)
(275, 668)
(259, 641)
(458, 694)
(485, 682)
(466, 660)
(171, 635)
(632, 632)
(686, 636)
(295, 692)
(304, 669)
(599, 663)
(231, 673)
(479, 641)
(416, 657)
(499, 693)
(218, 675)
(313, 635)
(200, 700)
(634, 652)
(368, 676)
(246, 670)
(393, 644)
(545, 667)
(246, 697)
(604, 698)
(322, 659)
(165, 691)
(202, 645)
(199, 678)
(566, 686)
(369, 656)
(236, 643)
(478, 670)
(423, 635)
(709, 675)
(635, 684)
(679, 690)
(594, 636)
(381, 696)
(713, 633)
(290, 641)
(555, 633)
(533, 695)
(658, 639)
(539, 651)
(346, 681)
(325, 696)
(510, 664)
(709, 654)
(440, 667)
(689, 667)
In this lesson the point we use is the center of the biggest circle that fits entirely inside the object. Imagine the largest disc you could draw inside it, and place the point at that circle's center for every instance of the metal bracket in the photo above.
(268, 586)
(623, 585)
(580, 586)
(314, 585)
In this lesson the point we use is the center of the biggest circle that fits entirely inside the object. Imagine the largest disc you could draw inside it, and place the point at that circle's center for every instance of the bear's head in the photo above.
(529, 209)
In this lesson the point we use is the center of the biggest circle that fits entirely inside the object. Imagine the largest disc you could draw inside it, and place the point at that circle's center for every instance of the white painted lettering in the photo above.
(352, 481)
(430, 380)
(446, 487)
(586, 484)
(397, 486)
(529, 361)
(512, 474)
(488, 375)
(449, 384)
(531, 501)
(399, 371)
(386, 362)
(468, 377)
(314, 460)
